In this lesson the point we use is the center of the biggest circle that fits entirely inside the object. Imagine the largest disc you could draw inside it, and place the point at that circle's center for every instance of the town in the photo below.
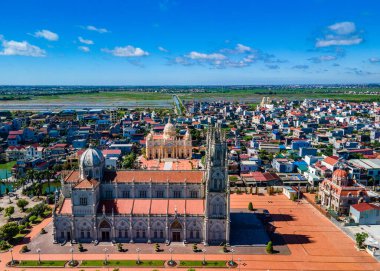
(212, 179)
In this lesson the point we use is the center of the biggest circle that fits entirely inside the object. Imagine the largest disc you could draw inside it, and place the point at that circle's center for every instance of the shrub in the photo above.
(43, 231)
(8, 231)
(195, 248)
(32, 219)
(119, 247)
(80, 247)
(24, 249)
(21, 203)
(21, 228)
(4, 245)
(269, 247)
(9, 211)
(360, 238)
(157, 247)
(250, 206)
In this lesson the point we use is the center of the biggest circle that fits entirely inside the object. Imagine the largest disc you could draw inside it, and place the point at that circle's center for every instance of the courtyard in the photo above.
(314, 243)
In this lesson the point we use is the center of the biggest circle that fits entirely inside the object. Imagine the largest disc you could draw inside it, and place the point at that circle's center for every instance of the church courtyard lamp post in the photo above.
(231, 262)
(138, 255)
(72, 255)
(12, 261)
(204, 256)
(171, 262)
(105, 256)
(39, 255)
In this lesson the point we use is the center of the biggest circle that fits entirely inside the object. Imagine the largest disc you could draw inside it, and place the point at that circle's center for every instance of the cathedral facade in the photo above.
(146, 206)
(168, 144)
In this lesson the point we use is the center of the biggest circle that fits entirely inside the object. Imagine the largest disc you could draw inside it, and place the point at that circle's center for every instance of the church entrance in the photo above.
(176, 237)
(176, 229)
(105, 231)
(105, 236)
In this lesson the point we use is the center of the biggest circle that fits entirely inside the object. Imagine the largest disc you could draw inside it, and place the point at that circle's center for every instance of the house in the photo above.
(365, 213)
(247, 166)
(14, 153)
(282, 165)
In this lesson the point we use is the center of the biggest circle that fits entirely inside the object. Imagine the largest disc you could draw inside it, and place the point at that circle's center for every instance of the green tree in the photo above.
(269, 247)
(8, 231)
(22, 203)
(129, 160)
(360, 238)
(9, 211)
(250, 206)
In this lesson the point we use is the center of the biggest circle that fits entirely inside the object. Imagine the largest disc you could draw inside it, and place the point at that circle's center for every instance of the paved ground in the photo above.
(315, 243)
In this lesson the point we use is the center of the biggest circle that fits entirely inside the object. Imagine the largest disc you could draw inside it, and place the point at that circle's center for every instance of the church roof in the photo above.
(66, 207)
(86, 184)
(153, 206)
(155, 176)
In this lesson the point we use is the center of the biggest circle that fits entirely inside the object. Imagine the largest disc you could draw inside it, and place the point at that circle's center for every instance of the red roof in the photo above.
(115, 152)
(66, 207)
(153, 206)
(146, 176)
(364, 206)
(331, 160)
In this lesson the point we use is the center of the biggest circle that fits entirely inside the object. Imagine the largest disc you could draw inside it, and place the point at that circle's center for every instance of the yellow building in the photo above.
(169, 144)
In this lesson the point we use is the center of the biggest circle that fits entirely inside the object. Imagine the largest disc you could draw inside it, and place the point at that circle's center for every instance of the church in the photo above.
(160, 206)
(168, 144)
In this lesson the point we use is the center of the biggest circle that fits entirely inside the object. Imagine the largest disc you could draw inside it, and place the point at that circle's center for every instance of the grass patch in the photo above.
(200, 264)
(42, 263)
(8, 165)
(122, 263)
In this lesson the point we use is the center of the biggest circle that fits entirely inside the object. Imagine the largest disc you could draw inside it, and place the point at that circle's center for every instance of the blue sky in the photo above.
(178, 42)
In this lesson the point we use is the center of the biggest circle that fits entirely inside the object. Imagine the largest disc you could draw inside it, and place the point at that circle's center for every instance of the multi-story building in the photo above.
(168, 144)
(340, 192)
(146, 206)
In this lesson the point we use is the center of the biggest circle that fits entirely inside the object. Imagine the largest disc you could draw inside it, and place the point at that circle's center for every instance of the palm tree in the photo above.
(30, 175)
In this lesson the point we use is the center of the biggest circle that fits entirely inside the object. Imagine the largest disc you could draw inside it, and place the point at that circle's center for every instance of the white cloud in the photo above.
(338, 41)
(239, 56)
(340, 34)
(327, 58)
(374, 60)
(84, 41)
(20, 48)
(200, 56)
(85, 49)
(46, 34)
(319, 59)
(162, 49)
(96, 29)
(343, 28)
(127, 51)
(240, 48)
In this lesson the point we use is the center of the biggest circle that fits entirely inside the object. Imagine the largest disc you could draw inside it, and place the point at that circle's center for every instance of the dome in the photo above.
(169, 130)
(92, 157)
(340, 174)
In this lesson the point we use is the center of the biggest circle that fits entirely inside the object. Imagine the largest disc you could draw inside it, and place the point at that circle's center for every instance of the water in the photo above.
(3, 186)
(4, 174)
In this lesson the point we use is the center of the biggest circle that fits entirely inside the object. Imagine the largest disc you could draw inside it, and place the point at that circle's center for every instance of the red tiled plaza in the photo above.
(315, 243)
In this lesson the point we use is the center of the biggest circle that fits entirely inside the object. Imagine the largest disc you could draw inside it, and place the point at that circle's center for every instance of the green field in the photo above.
(42, 264)
(160, 98)
(123, 263)
(8, 165)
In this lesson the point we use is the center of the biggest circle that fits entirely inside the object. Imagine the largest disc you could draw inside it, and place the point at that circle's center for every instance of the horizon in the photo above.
(178, 43)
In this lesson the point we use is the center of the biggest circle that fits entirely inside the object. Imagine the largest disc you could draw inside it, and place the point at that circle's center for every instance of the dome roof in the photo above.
(169, 130)
(92, 157)
(340, 174)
